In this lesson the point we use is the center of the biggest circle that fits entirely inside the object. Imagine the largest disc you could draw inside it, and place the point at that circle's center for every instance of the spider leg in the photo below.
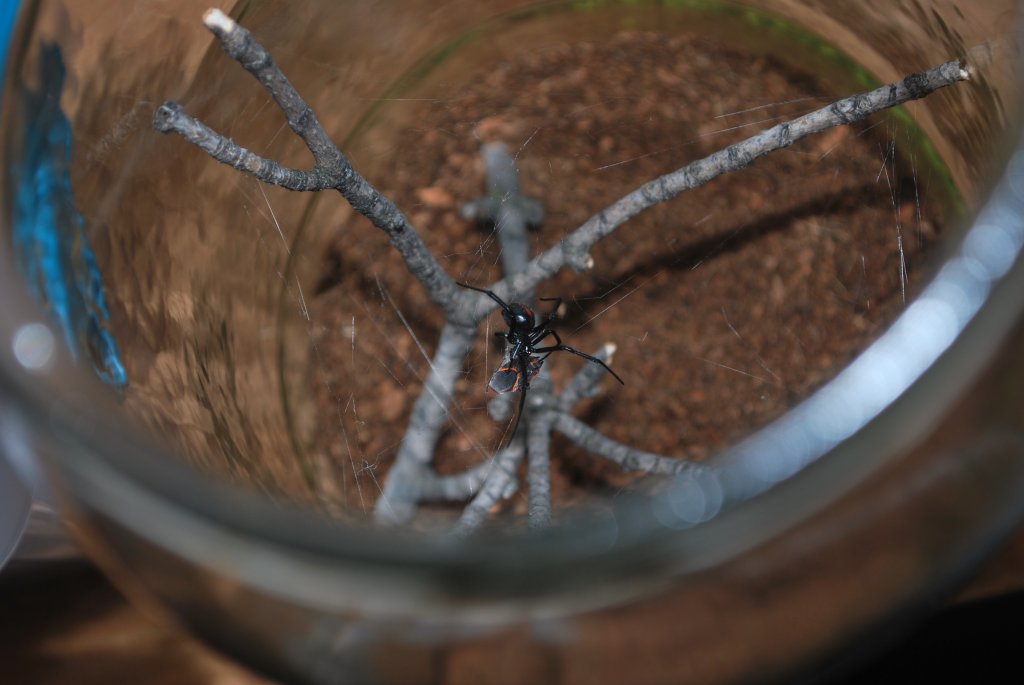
(524, 384)
(522, 405)
(488, 293)
(539, 333)
(543, 333)
(565, 348)
(554, 310)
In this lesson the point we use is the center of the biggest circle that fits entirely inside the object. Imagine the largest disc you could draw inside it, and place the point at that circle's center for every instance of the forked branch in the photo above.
(574, 249)
(331, 171)
(413, 479)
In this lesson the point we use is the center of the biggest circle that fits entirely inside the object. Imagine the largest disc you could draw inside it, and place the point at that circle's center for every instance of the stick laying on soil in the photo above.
(412, 478)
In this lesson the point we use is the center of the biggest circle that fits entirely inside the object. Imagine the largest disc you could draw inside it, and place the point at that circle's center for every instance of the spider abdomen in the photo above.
(508, 378)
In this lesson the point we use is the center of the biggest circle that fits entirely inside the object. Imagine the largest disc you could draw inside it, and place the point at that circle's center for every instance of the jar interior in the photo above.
(278, 343)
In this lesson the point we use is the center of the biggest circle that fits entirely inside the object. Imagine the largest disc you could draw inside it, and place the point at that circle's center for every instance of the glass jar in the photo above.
(159, 363)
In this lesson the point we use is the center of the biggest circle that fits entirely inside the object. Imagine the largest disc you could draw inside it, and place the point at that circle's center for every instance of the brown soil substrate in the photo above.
(728, 305)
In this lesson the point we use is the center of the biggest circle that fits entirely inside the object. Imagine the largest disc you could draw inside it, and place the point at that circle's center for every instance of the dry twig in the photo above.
(412, 479)
(331, 169)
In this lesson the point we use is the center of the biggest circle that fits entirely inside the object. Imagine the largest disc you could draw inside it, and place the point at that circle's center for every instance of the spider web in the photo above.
(285, 343)
(728, 305)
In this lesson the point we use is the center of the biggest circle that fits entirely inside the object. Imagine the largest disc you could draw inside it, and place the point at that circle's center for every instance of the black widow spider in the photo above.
(523, 336)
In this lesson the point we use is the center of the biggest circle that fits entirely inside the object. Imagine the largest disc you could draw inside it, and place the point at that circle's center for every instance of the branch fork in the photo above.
(412, 479)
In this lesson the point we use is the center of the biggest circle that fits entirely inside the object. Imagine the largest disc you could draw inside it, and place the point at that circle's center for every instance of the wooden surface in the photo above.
(65, 625)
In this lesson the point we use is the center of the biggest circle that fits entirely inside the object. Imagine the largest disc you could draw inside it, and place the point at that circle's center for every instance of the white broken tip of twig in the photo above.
(580, 263)
(967, 70)
(217, 21)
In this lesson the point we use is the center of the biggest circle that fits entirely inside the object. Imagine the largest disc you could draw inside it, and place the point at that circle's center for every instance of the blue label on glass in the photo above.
(49, 233)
